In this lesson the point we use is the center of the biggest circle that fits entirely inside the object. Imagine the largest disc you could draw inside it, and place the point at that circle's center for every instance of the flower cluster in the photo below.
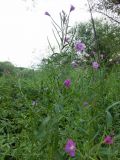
(70, 146)
(72, 8)
(79, 46)
(61, 30)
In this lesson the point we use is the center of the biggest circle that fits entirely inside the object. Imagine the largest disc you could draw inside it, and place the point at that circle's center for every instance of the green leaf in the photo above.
(109, 119)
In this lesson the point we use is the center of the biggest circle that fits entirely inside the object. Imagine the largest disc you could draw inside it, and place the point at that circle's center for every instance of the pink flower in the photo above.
(72, 8)
(67, 83)
(79, 46)
(70, 147)
(47, 14)
(108, 140)
(95, 65)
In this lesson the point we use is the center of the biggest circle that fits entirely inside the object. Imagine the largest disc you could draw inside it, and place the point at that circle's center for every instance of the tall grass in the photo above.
(40, 130)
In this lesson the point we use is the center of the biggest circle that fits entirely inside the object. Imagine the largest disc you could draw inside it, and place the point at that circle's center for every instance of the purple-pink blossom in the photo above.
(108, 140)
(70, 147)
(67, 83)
(95, 65)
(47, 13)
(72, 8)
(79, 46)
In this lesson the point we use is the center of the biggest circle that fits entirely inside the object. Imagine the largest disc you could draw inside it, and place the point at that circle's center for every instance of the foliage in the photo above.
(108, 38)
(6, 68)
(39, 114)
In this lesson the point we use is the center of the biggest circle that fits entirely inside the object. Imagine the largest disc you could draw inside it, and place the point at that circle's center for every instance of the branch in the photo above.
(94, 29)
(56, 39)
(50, 45)
(108, 16)
(92, 20)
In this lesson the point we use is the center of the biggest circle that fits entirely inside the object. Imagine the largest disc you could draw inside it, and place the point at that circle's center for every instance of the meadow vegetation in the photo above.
(69, 107)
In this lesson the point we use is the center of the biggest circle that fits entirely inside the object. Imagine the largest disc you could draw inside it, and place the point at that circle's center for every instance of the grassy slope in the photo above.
(38, 114)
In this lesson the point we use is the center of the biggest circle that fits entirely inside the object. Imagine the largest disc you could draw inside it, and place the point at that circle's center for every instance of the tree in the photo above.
(6, 68)
(108, 8)
(108, 37)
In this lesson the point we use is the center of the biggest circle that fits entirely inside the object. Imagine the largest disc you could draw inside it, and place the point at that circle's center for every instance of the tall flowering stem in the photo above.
(94, 30)
(60, 31)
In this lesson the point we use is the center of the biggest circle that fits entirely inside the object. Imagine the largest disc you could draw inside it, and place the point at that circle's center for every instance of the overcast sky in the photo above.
(24, 28)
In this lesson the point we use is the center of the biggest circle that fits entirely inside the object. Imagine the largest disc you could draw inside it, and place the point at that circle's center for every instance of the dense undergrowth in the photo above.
(38, 113)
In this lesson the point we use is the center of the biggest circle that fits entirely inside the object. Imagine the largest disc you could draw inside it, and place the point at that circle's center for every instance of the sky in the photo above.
(24, 27)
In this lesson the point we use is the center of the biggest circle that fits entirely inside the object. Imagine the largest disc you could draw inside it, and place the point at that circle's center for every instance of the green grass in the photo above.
(40, 131)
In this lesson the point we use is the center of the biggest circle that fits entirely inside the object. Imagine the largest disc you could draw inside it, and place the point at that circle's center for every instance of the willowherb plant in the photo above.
(60, 32)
